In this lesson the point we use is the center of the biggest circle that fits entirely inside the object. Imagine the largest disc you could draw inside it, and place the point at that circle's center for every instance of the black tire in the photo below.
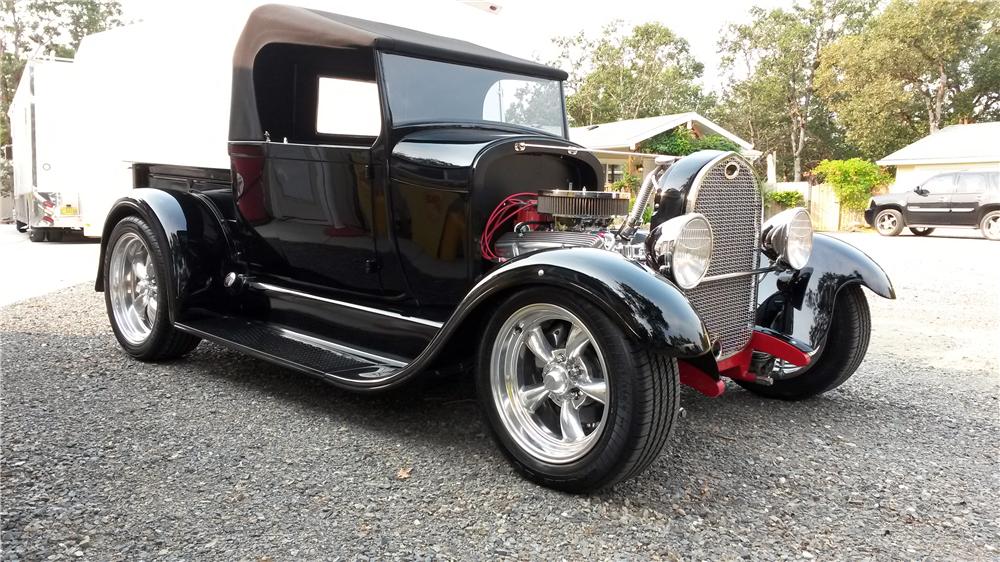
(642, 406)
(916, 231)
(164, 341)
(990, 219)
(837, 359)
(889, 222)
(54, 235)
(37, 234)
(20, 226)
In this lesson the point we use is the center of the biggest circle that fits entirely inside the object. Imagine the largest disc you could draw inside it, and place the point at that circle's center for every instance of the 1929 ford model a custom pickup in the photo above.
(400, 203)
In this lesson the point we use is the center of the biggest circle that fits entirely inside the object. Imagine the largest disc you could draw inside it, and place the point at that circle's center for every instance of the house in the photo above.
(953, 148)
(626, 136)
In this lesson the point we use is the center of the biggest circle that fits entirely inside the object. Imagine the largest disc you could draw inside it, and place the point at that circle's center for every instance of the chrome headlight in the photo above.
(682, 248)
(787, 238)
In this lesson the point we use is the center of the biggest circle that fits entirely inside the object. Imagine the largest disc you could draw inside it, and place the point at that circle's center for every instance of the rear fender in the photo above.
(188, 229)
(802, 302)
(645, 304)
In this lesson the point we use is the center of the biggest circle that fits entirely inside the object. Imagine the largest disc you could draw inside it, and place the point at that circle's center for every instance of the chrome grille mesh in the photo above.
(733, 208)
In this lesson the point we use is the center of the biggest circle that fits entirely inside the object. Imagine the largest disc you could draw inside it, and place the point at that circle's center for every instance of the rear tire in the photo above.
(37, 234)
(626, 396)
(136, 298)
(990, 225)
(889, 222)
(838, 357)
(916, 231)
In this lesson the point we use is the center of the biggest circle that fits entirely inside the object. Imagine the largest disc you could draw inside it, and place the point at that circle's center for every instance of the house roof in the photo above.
(631, 132)
(954, 144)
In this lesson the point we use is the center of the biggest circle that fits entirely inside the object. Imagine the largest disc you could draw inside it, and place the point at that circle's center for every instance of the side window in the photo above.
(972, 183)
(940, 185)
(348, 107)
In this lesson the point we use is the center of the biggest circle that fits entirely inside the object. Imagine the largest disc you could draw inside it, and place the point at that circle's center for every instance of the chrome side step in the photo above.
(277, 344)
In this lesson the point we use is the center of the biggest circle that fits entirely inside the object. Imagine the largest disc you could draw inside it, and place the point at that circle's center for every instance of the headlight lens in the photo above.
(799, 245)
(787, 238)
(684, 246)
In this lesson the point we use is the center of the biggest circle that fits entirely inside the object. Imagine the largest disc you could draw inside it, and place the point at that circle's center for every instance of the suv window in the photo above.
(939, 185)
(972, 183)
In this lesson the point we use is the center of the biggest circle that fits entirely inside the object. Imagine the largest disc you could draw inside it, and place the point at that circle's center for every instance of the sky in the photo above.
(519, 27)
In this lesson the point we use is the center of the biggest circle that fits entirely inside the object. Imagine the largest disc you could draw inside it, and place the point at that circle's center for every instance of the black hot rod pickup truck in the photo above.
(400, 203)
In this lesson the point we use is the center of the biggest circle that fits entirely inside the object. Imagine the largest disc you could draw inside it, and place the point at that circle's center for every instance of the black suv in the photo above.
(953, 200)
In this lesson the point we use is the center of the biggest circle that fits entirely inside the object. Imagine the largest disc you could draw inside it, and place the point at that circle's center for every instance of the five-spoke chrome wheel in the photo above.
(133, 289)
(991, 225)
(549, 382)
(887, 223)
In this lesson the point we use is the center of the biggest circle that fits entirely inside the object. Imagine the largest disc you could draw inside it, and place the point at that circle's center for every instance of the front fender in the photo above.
(803, 301)
(644, 303)
(191, 235)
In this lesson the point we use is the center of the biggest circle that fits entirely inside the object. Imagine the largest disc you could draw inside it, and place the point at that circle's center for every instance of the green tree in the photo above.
(43, 27)
(853, 180)
(918, 65)
(773, 60)
(645, 73)
(681, 142)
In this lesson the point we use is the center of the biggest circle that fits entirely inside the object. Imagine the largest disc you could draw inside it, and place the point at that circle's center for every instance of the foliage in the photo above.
(773, 102)
(647, 72)
(681, 142)
(43, 27)
(785, 198)
(853, 180)
(918, 65)
(629, 183)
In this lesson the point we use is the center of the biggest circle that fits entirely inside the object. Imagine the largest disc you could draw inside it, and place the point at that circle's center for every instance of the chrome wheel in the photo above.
(887, 223)
(133, 288)
(991, 226)
(549, 383)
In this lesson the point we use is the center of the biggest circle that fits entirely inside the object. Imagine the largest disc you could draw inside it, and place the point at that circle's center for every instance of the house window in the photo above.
(613, 173)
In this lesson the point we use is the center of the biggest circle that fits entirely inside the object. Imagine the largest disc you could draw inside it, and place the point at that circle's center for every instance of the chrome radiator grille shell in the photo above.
(734, 207)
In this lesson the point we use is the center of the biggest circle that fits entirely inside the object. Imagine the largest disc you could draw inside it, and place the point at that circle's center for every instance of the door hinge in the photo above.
(372, 266)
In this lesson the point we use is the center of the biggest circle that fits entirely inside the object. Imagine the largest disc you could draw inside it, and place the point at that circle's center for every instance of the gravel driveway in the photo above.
(219, 456)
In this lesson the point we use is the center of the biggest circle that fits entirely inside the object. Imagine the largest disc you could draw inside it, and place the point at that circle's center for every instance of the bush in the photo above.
(629, 183)
(786, 199)
(681, 142)
(853, 180)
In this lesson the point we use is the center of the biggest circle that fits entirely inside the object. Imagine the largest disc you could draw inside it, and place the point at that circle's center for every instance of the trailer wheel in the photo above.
(54, 235)
(37, 234)
(21, 226)
(135, 272)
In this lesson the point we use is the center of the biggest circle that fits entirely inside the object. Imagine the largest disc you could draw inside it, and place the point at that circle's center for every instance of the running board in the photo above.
(311, 355)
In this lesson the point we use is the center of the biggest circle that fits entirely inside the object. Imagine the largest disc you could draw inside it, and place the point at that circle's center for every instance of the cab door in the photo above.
(929, 204)
(968, 196)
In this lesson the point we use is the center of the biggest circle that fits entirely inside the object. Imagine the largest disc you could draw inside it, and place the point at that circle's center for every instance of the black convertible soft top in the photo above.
(275, 23)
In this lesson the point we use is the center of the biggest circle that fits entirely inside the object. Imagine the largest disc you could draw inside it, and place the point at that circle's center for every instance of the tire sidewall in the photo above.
(982, 224)
(160, 330)
(610, 447)
(899, 222)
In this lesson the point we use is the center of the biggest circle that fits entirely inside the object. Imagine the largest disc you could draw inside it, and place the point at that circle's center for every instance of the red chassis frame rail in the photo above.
(737, 366)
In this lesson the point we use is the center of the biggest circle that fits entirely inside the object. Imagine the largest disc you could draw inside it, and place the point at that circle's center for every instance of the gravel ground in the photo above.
(219, 456)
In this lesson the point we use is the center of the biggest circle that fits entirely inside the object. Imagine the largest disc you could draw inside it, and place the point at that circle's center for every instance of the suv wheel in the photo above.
(889, 222)
(572, 401)
(921, 231)
(990, 225)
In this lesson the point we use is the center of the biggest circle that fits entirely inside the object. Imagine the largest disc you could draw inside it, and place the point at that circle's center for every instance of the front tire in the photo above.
(990, 225)
(837, 358)
(572, 401)
(889, 222)
(135, 275)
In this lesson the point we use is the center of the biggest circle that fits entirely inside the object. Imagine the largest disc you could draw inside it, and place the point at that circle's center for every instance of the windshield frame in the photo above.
(391, 123)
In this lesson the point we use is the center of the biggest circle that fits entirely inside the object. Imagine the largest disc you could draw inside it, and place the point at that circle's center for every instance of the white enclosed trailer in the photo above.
(43, 118)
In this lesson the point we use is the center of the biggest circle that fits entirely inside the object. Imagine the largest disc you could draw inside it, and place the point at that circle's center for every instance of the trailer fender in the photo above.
(188, 229)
